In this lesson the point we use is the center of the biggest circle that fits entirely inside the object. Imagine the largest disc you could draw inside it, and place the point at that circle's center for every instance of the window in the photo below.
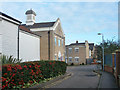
(76, 50)
(76, 59)
(70, 50)
(59, 42)
(55, 57)
(70, 59)
(55, 41)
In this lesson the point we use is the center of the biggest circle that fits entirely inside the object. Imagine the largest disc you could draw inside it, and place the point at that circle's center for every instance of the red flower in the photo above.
(38, 66)
(9, 68)
(12, 79)
(13, 75)
(25, 66)
(50, 63)
(5, 73)
(3, 86)
(3, 79)
(30, 66)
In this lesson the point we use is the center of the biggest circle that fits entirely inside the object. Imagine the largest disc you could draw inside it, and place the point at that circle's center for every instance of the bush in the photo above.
(72, 64)
(20, 75)
(82, 63)
(9, 60)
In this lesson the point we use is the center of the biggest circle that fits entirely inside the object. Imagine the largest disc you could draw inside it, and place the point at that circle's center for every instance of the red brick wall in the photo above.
(108, 69)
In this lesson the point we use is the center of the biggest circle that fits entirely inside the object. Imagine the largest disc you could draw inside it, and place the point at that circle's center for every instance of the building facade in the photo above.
(52, 43)
(29, 45)
(78, 53)
(18, 41)
(9, 35)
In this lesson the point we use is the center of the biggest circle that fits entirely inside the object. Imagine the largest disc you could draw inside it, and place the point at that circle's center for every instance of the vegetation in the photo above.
(110, 46)
(28, 73)
(9, 60)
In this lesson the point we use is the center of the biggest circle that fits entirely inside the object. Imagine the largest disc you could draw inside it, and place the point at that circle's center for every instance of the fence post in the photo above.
(117, 65)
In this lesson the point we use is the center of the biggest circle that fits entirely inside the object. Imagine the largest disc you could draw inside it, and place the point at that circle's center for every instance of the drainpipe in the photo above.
(49, 44)
(18, 43)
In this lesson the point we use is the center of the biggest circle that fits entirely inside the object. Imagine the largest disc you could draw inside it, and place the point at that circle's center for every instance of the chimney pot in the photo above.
(76, 41)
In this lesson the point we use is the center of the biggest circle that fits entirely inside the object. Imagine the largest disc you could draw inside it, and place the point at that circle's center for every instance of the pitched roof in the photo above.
(30, 12)
(91, 45)
(40, 25)
(5, 15)
(23, 28)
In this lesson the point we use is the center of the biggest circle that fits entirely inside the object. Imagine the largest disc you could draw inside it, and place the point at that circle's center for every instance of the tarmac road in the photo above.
(82, 77)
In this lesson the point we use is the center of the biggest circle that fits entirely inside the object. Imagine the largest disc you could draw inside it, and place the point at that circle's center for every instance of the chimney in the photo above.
(76, 41)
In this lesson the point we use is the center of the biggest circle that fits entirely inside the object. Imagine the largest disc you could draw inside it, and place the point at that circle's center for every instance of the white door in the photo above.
(0, 43)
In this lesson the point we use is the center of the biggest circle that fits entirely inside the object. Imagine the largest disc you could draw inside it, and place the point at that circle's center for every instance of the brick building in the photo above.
(78, 53)
(52, 41)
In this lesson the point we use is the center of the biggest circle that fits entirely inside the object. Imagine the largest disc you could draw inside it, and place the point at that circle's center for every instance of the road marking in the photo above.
(54, 83)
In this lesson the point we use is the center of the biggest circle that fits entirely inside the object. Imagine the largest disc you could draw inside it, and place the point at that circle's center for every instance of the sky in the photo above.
(80, 20)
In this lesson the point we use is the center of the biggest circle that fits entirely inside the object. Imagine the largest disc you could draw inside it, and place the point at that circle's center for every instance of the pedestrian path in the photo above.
(107, 80)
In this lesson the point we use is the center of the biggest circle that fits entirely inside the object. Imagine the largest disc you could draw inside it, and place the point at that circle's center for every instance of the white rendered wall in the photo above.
(8, 38)
(0, 38)
(29, 47)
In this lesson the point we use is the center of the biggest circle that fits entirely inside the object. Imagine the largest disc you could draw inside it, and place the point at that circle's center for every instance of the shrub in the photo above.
(19, 75)
(72, 64)
(82, 63)
(9, 60)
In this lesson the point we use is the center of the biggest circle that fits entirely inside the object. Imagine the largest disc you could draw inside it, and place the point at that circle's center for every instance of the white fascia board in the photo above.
(42, 29)
(56, 24)
(28, 33)
(9, 19)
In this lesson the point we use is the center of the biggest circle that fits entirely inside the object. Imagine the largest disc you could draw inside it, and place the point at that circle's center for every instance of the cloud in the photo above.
(80, 20)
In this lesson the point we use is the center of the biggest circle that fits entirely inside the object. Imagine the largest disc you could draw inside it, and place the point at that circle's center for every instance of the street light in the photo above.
(102, 47)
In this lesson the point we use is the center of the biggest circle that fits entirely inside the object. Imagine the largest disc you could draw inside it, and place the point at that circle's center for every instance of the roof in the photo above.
(30, 12)
(91, 45)
(23, 28)
(3, 14)
(40, 25)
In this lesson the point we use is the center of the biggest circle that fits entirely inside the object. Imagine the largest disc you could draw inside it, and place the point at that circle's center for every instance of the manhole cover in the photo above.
(90, 75)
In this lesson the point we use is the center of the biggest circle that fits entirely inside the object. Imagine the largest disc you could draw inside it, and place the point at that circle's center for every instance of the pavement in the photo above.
(107, 80)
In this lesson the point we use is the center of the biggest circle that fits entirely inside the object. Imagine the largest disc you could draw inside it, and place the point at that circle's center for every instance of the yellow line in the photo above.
(54, 83)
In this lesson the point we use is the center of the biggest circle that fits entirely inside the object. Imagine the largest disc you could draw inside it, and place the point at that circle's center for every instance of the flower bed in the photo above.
(27, 73)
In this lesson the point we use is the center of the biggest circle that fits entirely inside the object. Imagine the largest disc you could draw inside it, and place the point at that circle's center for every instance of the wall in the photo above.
(0, 42)
(81, 54)
(59, 51)
(29, 46)
(43, 44)
(9, 38)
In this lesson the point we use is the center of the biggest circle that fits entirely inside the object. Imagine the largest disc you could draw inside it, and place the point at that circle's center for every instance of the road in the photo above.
(82, 77)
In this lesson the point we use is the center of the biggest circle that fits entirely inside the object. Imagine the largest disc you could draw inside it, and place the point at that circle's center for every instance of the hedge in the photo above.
(18, 75)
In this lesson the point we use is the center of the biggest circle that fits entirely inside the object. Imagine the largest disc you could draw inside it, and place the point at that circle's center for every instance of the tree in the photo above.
(110, 46)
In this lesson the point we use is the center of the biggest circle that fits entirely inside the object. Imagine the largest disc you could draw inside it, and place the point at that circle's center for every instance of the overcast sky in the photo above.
(80, 20)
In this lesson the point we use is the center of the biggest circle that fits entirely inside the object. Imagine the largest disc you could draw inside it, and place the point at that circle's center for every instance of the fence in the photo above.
(112, 64)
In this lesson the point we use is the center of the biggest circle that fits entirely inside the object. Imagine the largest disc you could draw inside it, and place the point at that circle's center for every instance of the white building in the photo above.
(8, 35)
(29, 45)
(18, 41)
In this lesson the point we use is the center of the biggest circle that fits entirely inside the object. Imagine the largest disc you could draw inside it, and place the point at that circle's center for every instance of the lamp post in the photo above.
(102, 47)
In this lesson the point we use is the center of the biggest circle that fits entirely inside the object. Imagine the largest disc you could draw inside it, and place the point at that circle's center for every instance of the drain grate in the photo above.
(92, 75)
